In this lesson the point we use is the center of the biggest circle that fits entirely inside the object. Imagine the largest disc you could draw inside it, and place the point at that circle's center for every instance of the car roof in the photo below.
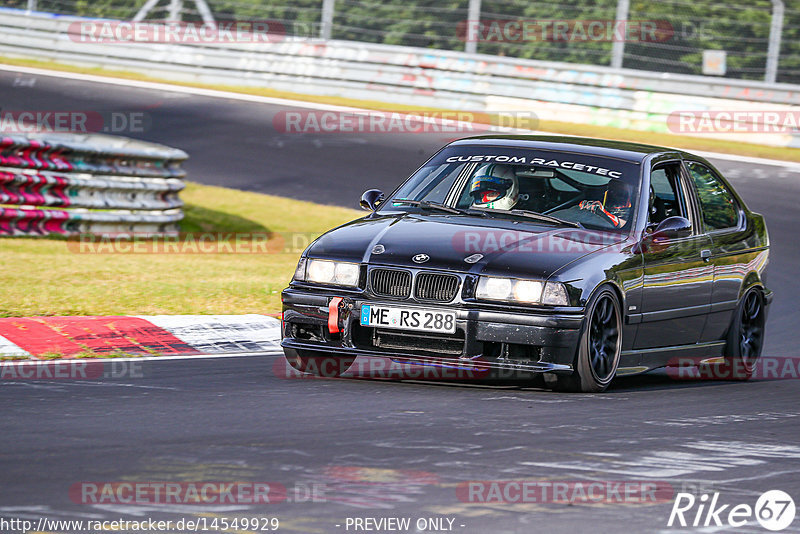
(582, 145)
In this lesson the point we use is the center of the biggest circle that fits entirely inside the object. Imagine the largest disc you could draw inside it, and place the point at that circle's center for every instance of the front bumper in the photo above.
(531, 341)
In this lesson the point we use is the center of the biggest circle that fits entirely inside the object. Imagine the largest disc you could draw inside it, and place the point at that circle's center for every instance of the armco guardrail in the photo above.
(71, 184)
(434, 78)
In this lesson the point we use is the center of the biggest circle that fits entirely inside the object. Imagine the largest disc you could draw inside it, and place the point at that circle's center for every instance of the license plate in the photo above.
(408, 318)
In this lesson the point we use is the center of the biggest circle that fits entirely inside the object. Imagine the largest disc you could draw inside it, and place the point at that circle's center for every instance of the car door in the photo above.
(732, 257)
(676, 292)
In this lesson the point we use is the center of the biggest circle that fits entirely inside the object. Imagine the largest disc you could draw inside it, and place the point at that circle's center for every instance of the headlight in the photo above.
(523, 291)
(300, 271)
(555, 294)
(527, 291)
(337, 273)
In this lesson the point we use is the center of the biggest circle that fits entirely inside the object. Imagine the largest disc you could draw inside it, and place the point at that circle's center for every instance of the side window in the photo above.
(666, 198)
(435, 186)
(717, 204)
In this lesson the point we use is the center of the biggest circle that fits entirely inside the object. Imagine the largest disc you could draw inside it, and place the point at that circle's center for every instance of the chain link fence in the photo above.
(730, 38)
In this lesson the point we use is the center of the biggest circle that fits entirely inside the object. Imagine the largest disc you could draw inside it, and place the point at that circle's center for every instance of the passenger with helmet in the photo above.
(495, 186)
(615, 206)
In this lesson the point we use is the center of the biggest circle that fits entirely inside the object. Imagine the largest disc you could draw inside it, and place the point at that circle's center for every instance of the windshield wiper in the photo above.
(531, 215)
(427, 204)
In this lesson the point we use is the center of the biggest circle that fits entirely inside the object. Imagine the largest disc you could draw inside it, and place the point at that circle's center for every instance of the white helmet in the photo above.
(495, 186)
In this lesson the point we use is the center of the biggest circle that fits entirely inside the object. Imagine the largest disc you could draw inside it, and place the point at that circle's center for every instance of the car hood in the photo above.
(509, 247)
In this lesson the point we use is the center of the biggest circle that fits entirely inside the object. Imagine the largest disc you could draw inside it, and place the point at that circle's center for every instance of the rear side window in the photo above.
(719, 208)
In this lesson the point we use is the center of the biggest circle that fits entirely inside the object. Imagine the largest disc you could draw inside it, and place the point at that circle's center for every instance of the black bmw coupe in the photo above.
(573, 260)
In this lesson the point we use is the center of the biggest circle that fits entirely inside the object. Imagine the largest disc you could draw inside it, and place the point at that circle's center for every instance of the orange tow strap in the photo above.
(333, 315)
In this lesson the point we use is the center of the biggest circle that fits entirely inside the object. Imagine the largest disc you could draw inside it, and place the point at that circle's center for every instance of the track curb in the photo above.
(153, 335)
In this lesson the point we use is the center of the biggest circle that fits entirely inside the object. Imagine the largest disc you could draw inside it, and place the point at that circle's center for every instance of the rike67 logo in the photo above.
(774, 510)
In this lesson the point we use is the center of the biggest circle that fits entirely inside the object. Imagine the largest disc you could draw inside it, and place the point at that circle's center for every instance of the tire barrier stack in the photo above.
(88, 184)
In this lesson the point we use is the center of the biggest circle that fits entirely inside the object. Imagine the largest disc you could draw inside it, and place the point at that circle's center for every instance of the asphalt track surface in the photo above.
(379, 448)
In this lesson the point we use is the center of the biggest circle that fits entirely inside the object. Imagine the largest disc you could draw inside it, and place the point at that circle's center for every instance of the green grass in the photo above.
(42, 276)
(565, 128)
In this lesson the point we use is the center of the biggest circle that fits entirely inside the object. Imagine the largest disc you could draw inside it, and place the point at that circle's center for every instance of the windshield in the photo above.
(590, 191)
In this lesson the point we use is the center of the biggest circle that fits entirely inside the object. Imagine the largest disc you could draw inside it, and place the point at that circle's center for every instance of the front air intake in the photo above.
(391, 283)
(436, 287)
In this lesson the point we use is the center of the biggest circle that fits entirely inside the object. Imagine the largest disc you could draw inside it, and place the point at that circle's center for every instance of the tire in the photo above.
(599, 347)
(745, 339)
(319, 363)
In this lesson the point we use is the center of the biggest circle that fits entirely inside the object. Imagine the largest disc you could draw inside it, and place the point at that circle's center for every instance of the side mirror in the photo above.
(371, 199)
(672, 228)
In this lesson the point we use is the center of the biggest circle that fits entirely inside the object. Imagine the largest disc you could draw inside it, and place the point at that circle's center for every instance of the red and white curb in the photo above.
(162, 335)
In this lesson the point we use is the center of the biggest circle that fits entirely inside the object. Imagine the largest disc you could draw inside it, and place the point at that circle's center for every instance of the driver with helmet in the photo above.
(495, 186)
(615, 206)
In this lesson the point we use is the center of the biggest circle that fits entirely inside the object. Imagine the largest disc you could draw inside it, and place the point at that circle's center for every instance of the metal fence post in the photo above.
(618, 46)
(205, 11)
(175, 9)
(774, 49)
(473, 17)
(326, 23)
